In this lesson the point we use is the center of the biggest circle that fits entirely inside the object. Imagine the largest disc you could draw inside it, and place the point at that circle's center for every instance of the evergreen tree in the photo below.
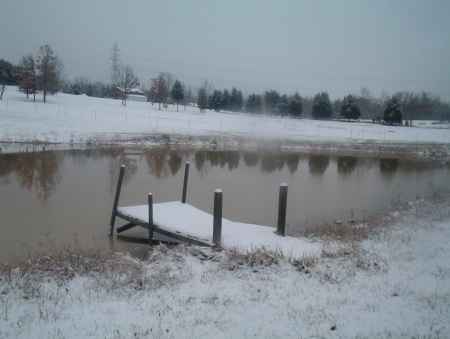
(271, 99)
(28, 83)
(202, 99)
(215, 101)
(89, 90)
(236, 100)
(49, 69)
(239, 101)
(350, 108)
(254, 104)
(6, 75)
(393, 114)
(282, 106)
(321, 108)
(177, 92)
(225, 100)
(295, 106)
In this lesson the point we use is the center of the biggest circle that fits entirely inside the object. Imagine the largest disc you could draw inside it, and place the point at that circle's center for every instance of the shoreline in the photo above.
(435, 151)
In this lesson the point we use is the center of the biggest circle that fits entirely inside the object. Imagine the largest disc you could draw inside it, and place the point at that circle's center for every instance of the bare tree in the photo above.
(188, 96)
(203, 93)
(127, 81)
(168, 79)
(49, 68)
(28, 81)
(158, 91)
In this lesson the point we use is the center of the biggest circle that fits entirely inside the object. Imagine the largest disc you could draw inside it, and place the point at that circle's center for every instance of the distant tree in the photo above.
(177, 92)
(236, 100)
(295, 106)
(365, 101)
(215, 102)
(168, 80)
(393, 113)
(89, 90)
(282, 106)
(6, 75)
(350, 108)
(127, 81)
(271, 98)
(202, 99)
(158, 91)
(307, 103)
(254, 104)
(82, 84)
(49, 71)
(225, 100)
(28, 81)
(189, 96)
(321, 108)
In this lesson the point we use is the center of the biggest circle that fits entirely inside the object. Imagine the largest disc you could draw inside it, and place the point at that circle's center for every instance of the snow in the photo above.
(185, 219)
(85, 120)
(396, 285)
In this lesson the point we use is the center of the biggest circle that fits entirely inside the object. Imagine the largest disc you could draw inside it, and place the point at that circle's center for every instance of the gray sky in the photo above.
(254, 45)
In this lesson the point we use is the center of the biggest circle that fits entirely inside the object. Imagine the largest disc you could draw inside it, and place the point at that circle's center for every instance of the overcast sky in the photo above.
(254, 45)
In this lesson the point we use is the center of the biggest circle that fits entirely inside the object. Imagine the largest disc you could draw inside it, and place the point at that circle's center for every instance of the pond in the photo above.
(66, 196)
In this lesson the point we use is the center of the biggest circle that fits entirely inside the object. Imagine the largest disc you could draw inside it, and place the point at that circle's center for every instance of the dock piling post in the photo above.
(282, 203)
(116, 200)
(150, 218)
(186, 175)
(217, 226)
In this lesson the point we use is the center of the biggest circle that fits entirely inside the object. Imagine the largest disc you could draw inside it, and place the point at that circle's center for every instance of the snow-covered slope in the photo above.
(81, 119)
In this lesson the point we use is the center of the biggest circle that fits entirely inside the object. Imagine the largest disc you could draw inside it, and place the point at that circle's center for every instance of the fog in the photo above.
(304, 46)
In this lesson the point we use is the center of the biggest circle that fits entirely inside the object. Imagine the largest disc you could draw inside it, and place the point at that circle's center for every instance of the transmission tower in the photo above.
(115, 64)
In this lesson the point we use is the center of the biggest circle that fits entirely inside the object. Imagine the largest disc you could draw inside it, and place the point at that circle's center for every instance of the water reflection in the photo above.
(389, 165)
(41, 171)
(346, 164)
(318, 163)
(292, 160)
(156, 161)
(174, 162)
(251, 159)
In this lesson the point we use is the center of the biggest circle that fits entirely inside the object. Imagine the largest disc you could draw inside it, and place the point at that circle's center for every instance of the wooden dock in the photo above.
(188, 224)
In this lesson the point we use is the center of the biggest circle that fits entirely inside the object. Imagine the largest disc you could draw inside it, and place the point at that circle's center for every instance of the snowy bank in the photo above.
(395, 283)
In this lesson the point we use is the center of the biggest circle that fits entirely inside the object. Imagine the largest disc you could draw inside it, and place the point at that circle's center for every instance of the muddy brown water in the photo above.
(61, 196)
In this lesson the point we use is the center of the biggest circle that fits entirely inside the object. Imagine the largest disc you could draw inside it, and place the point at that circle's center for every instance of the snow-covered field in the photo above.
(393, 284)
(85, 120)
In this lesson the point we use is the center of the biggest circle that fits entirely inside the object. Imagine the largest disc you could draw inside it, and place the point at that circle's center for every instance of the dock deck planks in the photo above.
(185, 222)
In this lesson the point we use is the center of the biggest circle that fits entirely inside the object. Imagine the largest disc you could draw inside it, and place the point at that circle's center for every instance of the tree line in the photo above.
(44, 74)
(32, 75)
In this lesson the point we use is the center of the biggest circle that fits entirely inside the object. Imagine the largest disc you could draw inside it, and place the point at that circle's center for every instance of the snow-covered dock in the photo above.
(185, 223)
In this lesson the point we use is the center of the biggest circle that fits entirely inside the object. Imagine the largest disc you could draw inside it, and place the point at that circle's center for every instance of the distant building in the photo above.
(133, 95)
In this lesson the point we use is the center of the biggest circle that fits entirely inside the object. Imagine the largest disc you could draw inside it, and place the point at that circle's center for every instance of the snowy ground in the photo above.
(84, 120)
(393, 284)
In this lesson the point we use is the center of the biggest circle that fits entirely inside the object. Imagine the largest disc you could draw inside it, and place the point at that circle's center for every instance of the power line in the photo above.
(292, 75)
